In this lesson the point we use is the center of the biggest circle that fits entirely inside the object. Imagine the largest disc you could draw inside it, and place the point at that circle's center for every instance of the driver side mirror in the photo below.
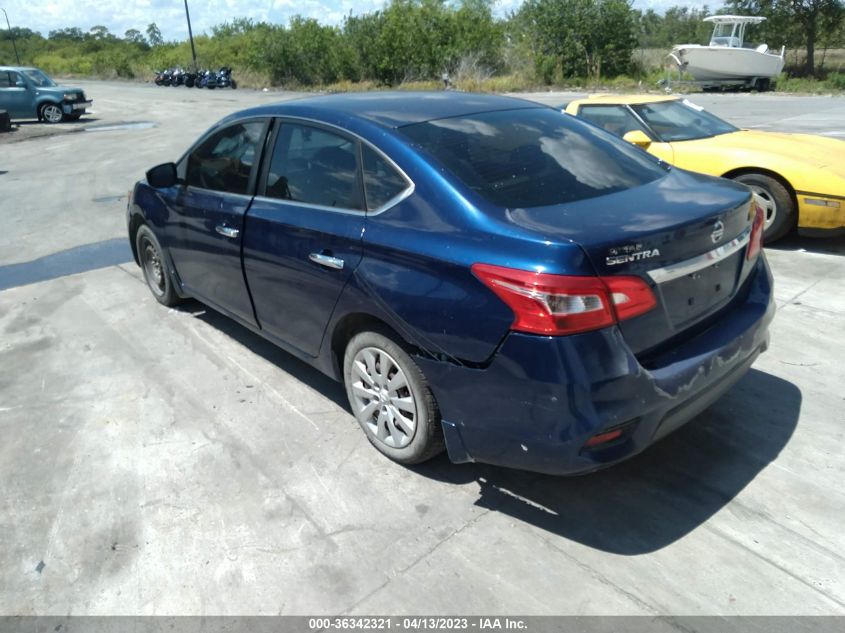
(162, 176)
(20, 84)
(638, 138)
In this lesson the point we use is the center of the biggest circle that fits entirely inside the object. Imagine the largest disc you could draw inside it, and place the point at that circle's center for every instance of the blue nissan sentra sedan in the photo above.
(483, 273)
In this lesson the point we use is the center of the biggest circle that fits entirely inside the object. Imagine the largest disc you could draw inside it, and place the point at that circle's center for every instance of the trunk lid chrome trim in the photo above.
(694, 264)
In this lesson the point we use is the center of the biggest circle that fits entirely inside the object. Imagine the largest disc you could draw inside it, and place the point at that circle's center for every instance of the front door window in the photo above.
(225, 161)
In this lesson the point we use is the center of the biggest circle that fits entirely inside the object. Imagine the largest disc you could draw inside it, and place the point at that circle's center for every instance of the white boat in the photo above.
(727, 59)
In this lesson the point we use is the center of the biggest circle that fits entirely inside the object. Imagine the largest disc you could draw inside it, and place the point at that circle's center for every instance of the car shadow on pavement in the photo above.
(288, 363)
(636, 507)
(659, 496)
(834, 245)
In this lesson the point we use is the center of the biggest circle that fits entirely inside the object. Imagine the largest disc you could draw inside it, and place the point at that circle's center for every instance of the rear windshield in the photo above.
(533, 157)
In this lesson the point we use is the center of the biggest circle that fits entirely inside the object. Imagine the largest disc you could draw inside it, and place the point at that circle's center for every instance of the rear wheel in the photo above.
(50, 113)
(391, 399)
(762, 84)
(777, 204)
(153, 263)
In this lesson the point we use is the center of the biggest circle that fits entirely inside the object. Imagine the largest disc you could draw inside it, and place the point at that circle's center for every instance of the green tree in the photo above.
(421, 39)
(100, 32)
(580, 38)
(154, 35)
(135, 36)
(73, 34)
(678, 25)
(305, 52)
(18, 33)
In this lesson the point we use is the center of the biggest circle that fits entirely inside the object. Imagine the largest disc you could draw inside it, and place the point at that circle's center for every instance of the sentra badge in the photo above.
(630, 253)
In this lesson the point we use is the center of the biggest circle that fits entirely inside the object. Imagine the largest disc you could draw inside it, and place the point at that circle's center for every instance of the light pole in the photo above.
(12, 35)
(191, 34)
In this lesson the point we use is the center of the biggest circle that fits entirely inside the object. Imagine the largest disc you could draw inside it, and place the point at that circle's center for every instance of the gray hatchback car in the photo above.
(28, 93)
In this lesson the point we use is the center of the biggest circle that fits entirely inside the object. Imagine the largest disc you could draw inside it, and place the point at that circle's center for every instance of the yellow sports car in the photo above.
(799, 178)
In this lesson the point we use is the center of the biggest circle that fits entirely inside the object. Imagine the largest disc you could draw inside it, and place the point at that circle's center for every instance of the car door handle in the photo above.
(227, 231)
(326, 260)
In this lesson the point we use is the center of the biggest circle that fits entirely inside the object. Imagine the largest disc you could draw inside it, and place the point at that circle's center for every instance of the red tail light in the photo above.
(563, 304)
(755, 243)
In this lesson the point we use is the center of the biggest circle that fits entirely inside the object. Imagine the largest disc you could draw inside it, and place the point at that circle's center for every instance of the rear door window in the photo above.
(8, 79)
(315, 166)
(226, 160)
(382, 182)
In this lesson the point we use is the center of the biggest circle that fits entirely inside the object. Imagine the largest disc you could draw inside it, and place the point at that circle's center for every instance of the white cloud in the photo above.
(169, 15)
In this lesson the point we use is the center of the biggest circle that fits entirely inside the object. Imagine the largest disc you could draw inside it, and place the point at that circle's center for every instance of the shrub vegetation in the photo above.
(418, 42)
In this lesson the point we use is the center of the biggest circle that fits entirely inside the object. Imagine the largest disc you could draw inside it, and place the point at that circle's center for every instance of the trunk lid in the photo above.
(685, 234)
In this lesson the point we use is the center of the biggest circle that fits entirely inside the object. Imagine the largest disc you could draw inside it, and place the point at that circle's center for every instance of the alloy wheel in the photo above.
(767, 201)
(52, 113)
(382, 398)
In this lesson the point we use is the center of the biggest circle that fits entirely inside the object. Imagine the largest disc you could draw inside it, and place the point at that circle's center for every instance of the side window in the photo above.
(314, 166)
(617, 120)
(6, 79)
(224, 161)
(382, 182)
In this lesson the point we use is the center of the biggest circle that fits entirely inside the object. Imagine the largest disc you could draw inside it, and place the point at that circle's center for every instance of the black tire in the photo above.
(73, 117)
(426, 441)
(781, 216)
(154, 266)
(50, 113)
(234, 85)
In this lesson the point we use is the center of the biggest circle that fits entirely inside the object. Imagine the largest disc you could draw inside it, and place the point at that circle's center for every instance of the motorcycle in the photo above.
(163, 77)
(190, 79)
(178, 77)
(198, 79)
(223, 79)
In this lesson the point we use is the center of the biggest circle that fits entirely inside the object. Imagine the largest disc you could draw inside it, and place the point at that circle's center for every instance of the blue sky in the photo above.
(169, 15)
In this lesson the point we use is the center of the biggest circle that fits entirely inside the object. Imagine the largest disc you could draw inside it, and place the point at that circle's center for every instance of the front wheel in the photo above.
(154, 265)
(391, 399)
(234, 85)
(51, 113)
(777, 203)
